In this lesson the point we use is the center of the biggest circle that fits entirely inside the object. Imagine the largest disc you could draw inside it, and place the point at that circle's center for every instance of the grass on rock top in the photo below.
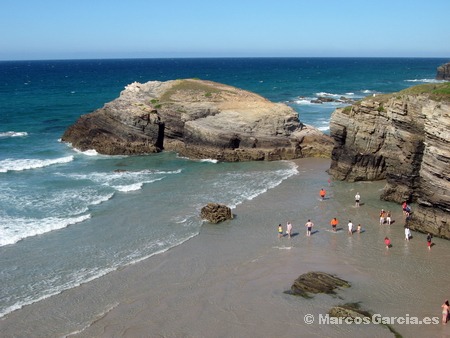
(189, 86)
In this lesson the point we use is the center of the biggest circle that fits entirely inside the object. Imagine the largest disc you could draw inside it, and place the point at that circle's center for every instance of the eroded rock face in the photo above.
(443, 72)
(198, 119)
(405, 139)
(216, 213)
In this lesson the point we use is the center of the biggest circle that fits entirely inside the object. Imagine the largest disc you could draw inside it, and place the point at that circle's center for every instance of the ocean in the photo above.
(68, 217)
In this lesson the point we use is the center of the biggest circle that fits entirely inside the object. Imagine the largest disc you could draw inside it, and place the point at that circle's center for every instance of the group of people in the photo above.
(334, 222)
(288, 230)
(385, 218)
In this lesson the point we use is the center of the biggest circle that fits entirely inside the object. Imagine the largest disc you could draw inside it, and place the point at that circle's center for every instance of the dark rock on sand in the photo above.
(316, 282)
(215, 213)
(350, 310)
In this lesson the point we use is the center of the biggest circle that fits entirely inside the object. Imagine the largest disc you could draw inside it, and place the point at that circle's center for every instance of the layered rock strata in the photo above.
(197, 119)
(405, 139)
(443, 72)
(316, 282)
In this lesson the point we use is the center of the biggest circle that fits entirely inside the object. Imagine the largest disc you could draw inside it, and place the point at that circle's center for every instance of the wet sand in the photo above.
(229, 280)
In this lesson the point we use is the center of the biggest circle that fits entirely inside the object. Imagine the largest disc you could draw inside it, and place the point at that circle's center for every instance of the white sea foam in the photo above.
(304, 101)
(90, 152)
(20, 228)
(427, 80)
(124, 180)
(255, 183)
(83, 276)
(13, 134)
(328, 94)
(95, 319)
(76, 279)
(337, 101)
(324, 128)
(26, 164)
(210, 160)
(130, 187)
(100, 199)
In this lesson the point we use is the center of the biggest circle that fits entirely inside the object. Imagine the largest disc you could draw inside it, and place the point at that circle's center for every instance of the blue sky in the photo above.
(72, 29)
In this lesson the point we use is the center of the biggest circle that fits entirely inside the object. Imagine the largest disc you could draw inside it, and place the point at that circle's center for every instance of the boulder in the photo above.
(316, 282)
(216, 213)
(443, 72)
(350, 310)
(198, 119)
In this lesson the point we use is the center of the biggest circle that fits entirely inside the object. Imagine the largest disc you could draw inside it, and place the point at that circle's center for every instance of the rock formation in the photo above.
(216, 213)
(316, 282)
(443, 72)
(404, 138)
(349, 310)
(197, 119)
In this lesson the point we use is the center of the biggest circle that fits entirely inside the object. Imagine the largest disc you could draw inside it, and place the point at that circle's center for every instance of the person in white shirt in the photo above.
(309, 226)
(357, 198)
(350, 228)
(407, 234)
(289, 229)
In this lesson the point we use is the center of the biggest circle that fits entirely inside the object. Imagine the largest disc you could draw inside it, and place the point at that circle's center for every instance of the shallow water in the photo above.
(229, 280)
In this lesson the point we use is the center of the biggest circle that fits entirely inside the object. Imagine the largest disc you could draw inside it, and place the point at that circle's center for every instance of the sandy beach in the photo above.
(229, 281)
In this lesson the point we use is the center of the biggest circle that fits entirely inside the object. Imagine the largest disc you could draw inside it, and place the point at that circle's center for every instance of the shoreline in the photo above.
(229, 279)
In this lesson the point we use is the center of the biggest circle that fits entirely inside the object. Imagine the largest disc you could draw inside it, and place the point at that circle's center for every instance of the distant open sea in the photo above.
(67, 217)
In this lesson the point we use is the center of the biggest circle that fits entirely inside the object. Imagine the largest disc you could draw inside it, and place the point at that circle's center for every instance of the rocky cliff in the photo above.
(443, 72)
(404, 138)
(198, 119)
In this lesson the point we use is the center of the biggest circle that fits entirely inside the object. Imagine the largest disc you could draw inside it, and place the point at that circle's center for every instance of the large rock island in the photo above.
(404, 138)
(197, 119)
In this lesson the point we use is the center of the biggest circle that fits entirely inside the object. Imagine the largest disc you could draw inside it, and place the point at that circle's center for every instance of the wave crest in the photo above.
(26, 164)
(13, 134)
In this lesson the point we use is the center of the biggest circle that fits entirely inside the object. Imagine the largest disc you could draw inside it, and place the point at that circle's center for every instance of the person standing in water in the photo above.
(309, 226)
(350, 227)
(382, 216)
(445, 311)
(407, 233)
(322, 193)
(289, 229)
(334, 222)
(429, 238)
(280, 231)
(357, 198)
(388, 217)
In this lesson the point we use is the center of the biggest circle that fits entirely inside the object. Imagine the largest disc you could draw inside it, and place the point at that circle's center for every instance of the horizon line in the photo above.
(225, 57)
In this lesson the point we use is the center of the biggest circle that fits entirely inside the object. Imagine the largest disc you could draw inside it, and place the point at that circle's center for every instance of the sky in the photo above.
(87, 29)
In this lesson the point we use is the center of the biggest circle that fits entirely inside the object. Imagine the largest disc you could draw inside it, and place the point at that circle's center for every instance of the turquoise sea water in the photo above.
(67, 217)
